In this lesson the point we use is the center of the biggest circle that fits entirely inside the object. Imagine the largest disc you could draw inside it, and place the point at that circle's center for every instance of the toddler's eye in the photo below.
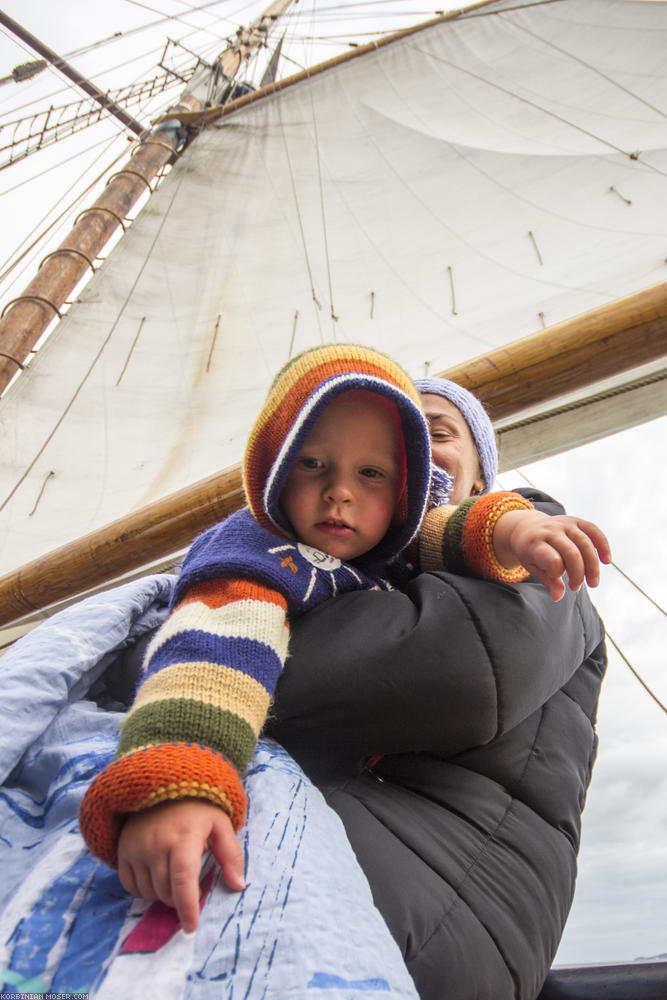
(371, 473)
(308, 462)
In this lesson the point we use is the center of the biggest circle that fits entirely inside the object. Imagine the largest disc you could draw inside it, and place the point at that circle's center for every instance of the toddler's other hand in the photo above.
(548, 547)
(160, 851)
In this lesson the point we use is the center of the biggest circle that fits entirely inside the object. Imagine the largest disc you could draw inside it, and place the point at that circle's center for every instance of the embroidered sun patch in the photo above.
(324, 567)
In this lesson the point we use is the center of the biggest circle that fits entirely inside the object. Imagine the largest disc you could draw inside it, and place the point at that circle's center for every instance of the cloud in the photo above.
(620, 906)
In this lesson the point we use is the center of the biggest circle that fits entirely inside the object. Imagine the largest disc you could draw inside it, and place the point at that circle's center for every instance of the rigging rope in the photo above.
(637, 587)
(303, 235)
(10, 267)
(615, 565)
(642, 682)
(608, 636)
(56, 126)
(334, 318)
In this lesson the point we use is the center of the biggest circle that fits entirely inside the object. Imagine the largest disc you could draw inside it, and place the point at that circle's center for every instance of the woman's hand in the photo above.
(548, 547)
(160, 851)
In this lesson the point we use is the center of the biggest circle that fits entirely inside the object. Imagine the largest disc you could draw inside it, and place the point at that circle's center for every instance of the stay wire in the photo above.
(612, 563)
(632, 669)
(608, 636)
(9, 267)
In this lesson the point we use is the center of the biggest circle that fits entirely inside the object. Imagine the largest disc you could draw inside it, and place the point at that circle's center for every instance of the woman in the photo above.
(451, 727)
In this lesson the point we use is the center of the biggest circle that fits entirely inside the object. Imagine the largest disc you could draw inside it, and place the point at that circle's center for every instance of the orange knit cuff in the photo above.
(478, 548)
(151, 775)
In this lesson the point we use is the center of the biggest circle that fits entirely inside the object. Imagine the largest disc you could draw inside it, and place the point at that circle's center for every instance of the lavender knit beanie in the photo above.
(476, 417)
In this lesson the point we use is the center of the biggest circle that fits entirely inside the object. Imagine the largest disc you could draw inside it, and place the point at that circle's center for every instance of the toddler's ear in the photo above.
(441, 487)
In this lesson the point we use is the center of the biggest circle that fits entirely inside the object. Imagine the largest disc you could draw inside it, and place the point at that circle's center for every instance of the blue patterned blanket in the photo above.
(305, 926)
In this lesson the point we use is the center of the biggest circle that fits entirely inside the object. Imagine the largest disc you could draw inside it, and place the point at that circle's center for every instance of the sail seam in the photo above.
(538, 107)
(582, 62)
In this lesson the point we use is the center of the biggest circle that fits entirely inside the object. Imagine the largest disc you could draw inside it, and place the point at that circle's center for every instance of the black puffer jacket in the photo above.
(482, 699)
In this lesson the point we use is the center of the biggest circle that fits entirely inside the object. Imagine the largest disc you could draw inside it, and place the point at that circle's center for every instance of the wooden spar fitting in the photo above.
(569, 356)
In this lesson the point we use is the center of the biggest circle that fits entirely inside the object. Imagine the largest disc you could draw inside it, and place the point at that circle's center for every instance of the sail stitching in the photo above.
(538, 107)
(582, 62)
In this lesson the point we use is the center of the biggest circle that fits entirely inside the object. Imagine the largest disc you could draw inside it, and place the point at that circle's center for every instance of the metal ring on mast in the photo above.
(31, 298)
(158, 142)
(133, 173)
(101, 208)
(10, 358)
(79, 253)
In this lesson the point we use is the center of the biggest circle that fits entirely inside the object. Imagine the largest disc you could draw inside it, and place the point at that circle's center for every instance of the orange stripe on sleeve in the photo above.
(227, 590)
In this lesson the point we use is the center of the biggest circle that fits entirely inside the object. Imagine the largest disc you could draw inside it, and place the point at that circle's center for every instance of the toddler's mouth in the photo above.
(335, 526)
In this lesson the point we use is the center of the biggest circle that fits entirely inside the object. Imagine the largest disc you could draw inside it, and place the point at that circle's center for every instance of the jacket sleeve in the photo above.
(445, 666)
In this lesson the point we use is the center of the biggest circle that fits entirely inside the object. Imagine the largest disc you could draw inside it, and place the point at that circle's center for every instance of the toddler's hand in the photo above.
(160, 851)
(548, 547)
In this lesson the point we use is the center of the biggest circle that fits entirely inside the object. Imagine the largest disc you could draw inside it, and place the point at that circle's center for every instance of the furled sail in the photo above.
(436, 197)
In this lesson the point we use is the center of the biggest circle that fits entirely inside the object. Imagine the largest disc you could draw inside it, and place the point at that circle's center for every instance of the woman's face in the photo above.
(452, 446)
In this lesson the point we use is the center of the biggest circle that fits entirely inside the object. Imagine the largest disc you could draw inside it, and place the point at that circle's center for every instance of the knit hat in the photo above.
(300, 393)
(476, 417)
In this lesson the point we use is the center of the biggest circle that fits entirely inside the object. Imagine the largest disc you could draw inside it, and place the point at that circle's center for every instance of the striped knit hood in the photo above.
(300, 393)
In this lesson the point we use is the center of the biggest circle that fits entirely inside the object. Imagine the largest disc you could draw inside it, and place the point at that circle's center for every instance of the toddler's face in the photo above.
(342, 489)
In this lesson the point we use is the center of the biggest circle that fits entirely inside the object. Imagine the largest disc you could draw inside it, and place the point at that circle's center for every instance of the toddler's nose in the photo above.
(338, 490)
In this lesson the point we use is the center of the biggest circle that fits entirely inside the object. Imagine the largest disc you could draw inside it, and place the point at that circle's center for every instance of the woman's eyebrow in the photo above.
(435, 418)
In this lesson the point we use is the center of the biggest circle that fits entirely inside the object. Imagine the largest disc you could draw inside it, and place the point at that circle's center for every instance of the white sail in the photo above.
(440, 196)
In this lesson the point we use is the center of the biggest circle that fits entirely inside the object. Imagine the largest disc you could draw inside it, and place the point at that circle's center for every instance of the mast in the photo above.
(570, 355)
(25, 318)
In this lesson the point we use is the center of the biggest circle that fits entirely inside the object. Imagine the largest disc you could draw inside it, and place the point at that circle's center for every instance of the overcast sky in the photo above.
(620, 910)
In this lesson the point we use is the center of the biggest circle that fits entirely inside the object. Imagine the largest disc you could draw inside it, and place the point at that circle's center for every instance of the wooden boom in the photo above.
(569, 356)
